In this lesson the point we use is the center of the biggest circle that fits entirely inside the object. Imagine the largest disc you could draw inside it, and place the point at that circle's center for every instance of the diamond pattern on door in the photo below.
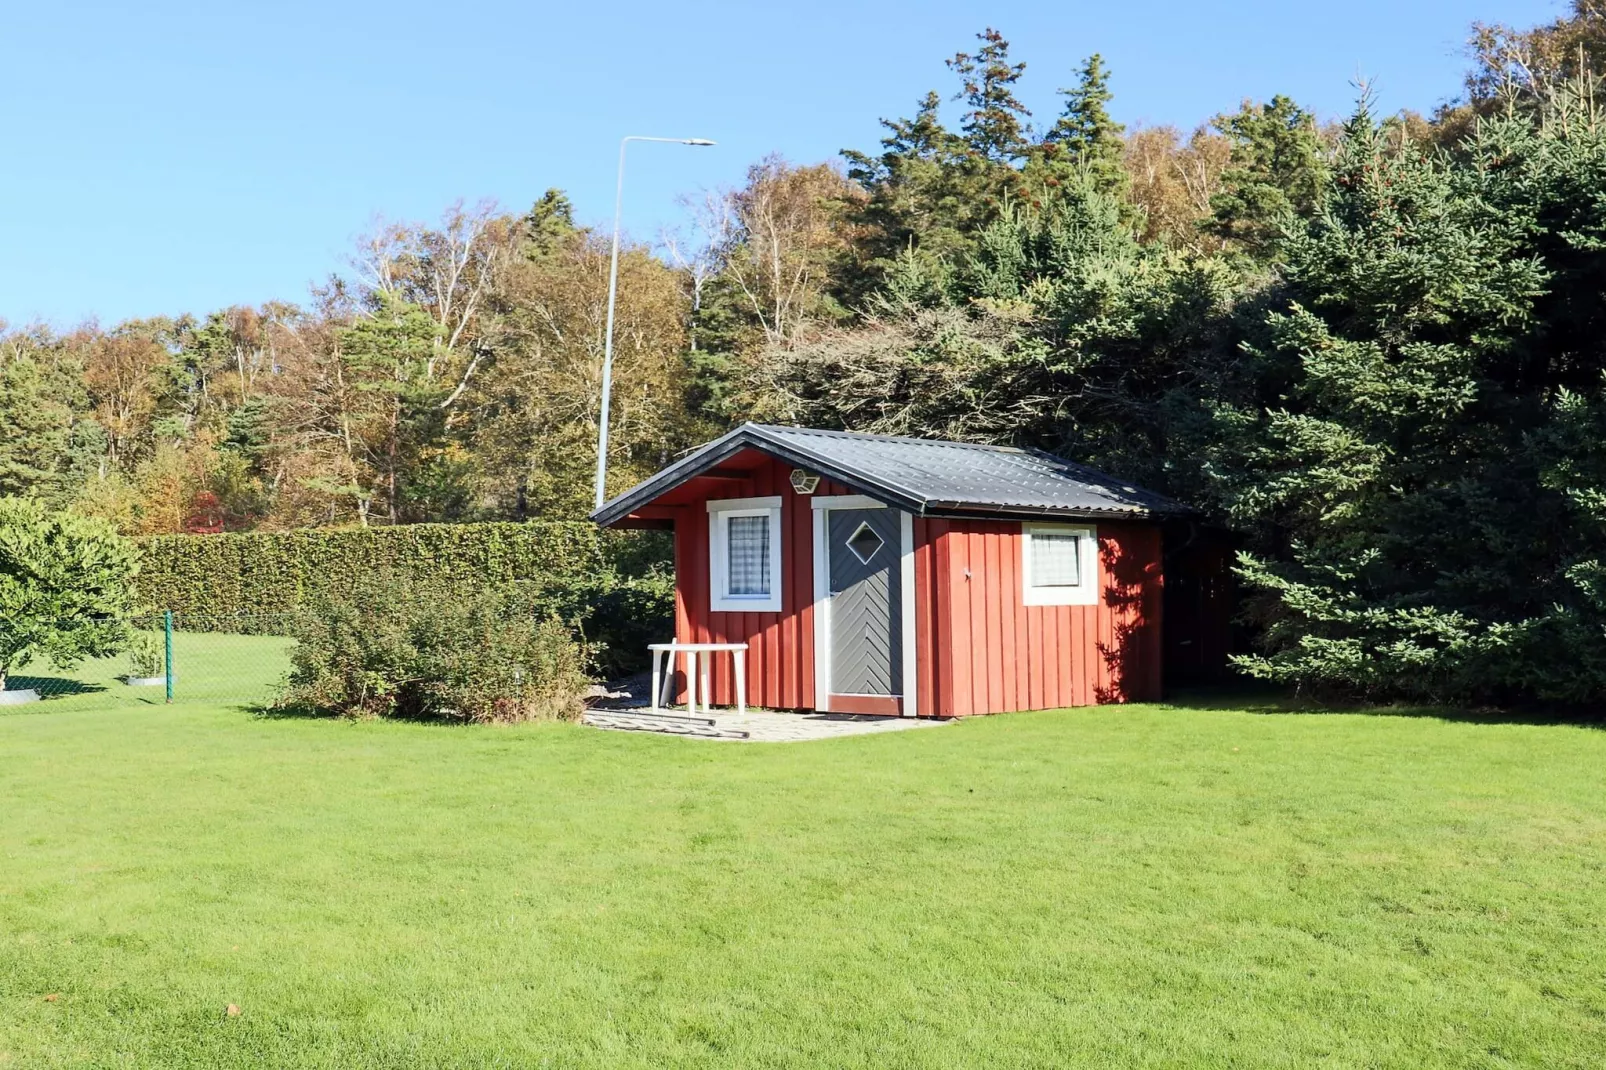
(864, 543)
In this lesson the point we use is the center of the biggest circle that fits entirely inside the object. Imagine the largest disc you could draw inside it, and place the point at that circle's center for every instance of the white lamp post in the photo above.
(613, 289)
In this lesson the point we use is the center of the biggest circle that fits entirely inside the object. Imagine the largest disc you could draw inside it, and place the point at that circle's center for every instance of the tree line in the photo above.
(451, 375)
(1369, 348)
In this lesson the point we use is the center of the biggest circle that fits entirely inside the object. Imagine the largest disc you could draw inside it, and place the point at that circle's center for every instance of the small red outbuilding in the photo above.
(871, 574)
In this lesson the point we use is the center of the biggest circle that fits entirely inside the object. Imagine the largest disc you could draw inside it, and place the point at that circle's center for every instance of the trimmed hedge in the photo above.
(615, 587)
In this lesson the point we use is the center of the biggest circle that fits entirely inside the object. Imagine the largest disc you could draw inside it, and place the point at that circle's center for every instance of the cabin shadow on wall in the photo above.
(1198, 625)
(1127, 577)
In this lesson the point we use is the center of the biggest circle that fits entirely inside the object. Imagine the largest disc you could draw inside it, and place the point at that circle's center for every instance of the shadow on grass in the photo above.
(269, 711)
(1260, 698)
(274, 711)
(50, 687)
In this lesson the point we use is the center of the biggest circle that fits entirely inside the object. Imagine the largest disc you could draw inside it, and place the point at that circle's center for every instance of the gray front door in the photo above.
(862, 547)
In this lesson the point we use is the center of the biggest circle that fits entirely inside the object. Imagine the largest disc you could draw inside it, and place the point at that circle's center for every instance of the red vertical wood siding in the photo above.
(983, 650)
(925, 682)
(780, 654)
(980, 648)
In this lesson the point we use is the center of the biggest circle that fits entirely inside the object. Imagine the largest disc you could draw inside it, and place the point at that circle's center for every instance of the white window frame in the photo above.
(1086, 593)
(720, 600)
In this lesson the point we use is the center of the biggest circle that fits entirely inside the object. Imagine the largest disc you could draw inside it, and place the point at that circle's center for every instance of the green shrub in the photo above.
(391, 649)
(65, 586)
(147, 656)
(616, 616)
(615, 589)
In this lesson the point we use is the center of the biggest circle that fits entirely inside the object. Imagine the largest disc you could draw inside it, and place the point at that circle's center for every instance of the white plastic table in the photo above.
(695, 654)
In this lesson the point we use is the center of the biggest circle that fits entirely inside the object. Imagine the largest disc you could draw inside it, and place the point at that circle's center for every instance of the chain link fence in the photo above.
(238, 659)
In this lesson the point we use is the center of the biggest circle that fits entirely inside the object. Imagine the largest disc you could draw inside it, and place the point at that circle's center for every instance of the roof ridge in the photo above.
(1093, 479)
(764, 432)
(867, 436)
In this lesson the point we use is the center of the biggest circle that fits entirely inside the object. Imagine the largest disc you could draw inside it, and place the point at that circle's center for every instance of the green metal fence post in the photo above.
(167, 661)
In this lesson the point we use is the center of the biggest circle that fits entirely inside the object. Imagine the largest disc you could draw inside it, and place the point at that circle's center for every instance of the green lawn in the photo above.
(1141, 886)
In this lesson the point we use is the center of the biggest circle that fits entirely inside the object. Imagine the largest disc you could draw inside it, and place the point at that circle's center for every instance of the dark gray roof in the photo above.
(922, 476)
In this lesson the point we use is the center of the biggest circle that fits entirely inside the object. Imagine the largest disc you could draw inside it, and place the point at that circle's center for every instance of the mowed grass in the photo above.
(212, 669)
(1146, 886)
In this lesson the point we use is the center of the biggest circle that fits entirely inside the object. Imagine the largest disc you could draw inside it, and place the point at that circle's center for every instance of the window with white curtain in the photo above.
(747, 561)
(1055, 559)
(1059, 565)
(744, 555)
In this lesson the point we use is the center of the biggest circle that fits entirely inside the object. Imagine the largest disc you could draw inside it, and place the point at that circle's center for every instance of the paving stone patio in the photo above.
(755, 726)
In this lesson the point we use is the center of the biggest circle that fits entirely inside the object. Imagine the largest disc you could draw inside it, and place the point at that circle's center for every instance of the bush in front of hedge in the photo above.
(614, 588)
(389, 648)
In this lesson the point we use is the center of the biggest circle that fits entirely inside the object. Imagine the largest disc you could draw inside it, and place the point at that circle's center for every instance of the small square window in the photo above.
(1056, 560)
(1059, 565)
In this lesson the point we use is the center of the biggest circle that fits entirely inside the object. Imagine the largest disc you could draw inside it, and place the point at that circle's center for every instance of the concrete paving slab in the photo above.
(756, 726)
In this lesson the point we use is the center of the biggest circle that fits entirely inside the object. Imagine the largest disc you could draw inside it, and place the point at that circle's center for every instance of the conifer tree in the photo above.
(1085, 136)
(996, 127)
(38, 395)
(1418, 454)
(1278, 174)
(928, 194)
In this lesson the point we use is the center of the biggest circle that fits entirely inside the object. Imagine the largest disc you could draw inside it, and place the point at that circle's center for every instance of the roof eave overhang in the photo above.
(972, 511)
(745, 437)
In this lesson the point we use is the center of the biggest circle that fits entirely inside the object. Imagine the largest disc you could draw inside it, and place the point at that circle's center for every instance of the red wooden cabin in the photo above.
(883, 575)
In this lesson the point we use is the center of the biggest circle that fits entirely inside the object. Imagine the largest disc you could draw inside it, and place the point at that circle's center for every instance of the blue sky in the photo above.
(180, 157)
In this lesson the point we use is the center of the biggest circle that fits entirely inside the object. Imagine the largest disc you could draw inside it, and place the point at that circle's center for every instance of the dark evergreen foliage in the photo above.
(1278, 174)
(1415, 439)
(1085, 139)
(996, 126)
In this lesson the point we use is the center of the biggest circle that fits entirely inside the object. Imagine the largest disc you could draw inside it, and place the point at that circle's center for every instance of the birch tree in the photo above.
(787, 237)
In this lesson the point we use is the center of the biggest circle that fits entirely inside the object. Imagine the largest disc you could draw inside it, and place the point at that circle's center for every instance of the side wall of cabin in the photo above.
(1000, 655)
(980, 649)
(1201, 605)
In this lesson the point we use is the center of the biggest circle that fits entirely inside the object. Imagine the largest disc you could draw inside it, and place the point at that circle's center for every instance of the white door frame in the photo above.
(821, 505)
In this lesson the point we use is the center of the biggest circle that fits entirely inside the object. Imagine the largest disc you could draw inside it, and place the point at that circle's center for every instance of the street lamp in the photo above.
(613, 289)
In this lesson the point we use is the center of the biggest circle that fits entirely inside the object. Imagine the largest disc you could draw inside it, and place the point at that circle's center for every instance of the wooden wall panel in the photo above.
(925, 617)
(941, 638)
(1199, 602)
(992, 653)
(776, 642)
